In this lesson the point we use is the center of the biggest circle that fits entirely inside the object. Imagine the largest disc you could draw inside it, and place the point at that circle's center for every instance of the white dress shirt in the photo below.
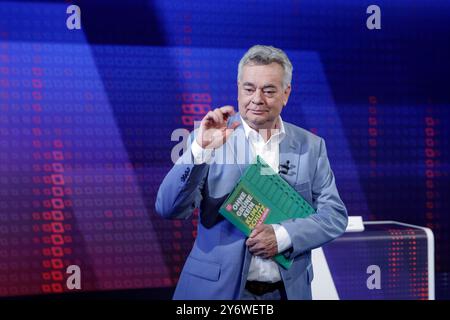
(260, 269)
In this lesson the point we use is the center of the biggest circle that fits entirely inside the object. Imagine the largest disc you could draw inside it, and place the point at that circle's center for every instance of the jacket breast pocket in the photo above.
(304, 189)
(203, 269)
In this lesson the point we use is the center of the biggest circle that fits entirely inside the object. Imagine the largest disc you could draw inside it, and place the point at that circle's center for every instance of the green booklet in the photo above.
(262, 196)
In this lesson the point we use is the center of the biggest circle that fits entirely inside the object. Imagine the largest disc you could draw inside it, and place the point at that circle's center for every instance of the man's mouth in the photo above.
(257, 112)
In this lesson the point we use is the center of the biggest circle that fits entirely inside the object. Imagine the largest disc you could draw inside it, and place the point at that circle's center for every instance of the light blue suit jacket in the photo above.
(218, 264)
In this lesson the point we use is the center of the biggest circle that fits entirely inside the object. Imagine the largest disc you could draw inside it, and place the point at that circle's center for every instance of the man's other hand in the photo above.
(263, 242)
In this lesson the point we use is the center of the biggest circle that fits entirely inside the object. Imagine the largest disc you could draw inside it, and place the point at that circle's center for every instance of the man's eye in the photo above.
(269, 92)
(249, 90)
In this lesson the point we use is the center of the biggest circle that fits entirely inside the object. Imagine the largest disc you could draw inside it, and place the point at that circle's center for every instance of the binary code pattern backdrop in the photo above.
(86, 117)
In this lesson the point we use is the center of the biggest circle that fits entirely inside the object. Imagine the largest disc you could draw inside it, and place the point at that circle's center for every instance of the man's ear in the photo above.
(287, 93)
(237, 96)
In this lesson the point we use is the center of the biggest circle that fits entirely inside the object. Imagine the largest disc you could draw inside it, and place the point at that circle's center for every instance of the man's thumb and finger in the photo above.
(230, 129)
(218, 117)
(216, 123)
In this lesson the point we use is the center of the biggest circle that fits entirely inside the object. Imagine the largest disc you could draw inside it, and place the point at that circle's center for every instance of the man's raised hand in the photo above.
(213, 131)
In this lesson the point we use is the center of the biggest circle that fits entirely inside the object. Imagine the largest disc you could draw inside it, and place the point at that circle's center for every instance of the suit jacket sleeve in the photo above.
(180, 192)
(330, 219)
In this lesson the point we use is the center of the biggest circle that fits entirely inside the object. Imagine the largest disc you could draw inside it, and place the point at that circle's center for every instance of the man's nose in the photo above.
(257, 97)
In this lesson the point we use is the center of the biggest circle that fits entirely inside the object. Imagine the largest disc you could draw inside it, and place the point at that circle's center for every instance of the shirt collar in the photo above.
(251, 133)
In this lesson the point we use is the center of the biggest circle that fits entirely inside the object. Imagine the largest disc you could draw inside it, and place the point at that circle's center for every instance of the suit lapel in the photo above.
(289, 157)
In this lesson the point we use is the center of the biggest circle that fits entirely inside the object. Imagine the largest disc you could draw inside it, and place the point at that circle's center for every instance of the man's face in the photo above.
(261, 96)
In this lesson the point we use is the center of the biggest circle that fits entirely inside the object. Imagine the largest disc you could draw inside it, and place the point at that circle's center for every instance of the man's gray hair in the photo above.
(264, 55)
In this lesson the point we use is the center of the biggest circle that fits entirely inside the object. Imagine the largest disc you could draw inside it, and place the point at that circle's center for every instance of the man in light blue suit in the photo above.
(223, 263)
